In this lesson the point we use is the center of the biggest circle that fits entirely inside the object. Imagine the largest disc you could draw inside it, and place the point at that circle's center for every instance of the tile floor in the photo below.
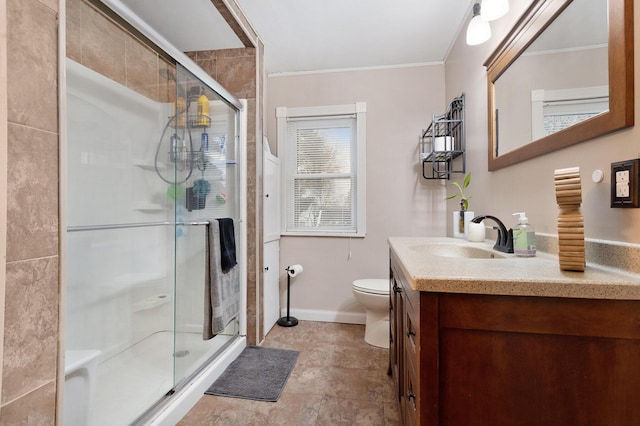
(338, 380)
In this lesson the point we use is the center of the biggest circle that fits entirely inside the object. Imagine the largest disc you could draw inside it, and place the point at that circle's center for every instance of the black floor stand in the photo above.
(288, 321)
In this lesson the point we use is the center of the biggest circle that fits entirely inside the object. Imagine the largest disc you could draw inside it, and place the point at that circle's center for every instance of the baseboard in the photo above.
(326, 316)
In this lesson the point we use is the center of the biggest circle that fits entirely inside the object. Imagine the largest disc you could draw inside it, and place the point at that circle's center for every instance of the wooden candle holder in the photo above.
(570, 220)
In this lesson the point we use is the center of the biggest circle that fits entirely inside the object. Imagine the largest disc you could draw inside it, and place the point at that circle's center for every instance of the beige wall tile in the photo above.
(35, 408)
(73, 28)
(167, 86)
(209, 66)
(192, 55)
(142, 68)
(31, 326)
(204, 55)
(241, 52)
(103, 45)
(51, 4)
(238, 75)
(32, 192)
(32, 64)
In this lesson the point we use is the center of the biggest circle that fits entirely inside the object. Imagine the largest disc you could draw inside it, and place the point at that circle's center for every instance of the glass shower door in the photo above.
(151, 159)
(207, 140)
(119, 252)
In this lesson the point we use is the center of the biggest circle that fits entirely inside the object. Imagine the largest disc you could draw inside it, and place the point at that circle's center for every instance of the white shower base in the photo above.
(134, 380)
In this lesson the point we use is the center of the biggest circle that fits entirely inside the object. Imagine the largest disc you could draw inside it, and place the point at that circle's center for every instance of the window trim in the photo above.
(357, 109)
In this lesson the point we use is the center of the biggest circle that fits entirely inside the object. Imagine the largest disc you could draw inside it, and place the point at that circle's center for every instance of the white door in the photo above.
(271, 256)
(271, 284)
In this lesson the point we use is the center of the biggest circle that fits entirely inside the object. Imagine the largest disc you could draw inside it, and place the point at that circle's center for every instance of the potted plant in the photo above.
(462, 217)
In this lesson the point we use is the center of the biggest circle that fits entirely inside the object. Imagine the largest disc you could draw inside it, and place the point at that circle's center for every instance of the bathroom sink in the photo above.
(456, 250)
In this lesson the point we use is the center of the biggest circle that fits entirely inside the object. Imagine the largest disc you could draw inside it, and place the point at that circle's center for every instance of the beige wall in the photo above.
(400, 102)
(32, 262)
(528, 186)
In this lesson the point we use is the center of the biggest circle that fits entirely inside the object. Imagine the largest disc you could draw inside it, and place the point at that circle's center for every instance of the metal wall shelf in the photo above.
(443, 142)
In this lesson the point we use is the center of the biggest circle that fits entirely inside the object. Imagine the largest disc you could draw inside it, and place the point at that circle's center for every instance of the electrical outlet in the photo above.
(625, 183)
(622, 189)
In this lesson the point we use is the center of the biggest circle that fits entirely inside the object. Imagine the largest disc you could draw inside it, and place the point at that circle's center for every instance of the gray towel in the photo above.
(221, 289)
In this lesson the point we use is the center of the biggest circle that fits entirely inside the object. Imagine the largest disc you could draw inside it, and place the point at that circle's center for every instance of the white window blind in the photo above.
(322, 176)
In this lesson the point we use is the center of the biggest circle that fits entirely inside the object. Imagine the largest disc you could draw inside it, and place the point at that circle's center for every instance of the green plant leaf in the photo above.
(467, 180)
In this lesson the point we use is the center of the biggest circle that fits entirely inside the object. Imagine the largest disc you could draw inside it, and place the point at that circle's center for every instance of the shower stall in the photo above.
(149, 174)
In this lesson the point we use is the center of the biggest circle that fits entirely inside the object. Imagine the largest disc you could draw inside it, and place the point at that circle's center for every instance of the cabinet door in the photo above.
(271, 284)
(271, 198)
(396, 348)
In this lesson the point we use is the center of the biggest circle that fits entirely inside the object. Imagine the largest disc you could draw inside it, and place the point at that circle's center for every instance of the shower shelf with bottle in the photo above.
(442, 144)
(196, 150)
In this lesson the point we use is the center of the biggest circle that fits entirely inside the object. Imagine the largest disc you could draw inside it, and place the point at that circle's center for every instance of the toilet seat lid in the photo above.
(373, 286)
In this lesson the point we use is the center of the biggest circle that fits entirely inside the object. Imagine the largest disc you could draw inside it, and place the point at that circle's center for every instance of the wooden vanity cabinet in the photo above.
(475, 359)
(412, 327)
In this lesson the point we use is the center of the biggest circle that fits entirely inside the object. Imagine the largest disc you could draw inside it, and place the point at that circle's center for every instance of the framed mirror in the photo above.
(563, 75)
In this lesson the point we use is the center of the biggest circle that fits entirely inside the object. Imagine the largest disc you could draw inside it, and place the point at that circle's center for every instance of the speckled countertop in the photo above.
(511, 275)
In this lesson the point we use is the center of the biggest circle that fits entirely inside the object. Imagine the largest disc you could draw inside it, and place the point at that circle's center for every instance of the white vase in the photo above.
(456, 224)
(476, 232)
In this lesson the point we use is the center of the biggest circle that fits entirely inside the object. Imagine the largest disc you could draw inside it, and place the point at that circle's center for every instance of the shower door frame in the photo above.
(189, 392)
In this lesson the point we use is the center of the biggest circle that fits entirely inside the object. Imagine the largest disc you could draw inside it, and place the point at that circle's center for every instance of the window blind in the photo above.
(321, 177)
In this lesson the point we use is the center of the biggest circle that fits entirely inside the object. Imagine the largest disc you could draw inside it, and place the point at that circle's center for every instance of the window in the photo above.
(323, 169)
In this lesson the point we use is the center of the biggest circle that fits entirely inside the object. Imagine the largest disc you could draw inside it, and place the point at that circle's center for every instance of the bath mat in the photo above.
(258, 374)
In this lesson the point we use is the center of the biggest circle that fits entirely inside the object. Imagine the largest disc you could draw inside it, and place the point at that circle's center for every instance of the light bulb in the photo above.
(478, 30)
(494, 9)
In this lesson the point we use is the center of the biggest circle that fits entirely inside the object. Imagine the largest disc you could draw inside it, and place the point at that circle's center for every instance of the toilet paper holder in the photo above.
(288, 320)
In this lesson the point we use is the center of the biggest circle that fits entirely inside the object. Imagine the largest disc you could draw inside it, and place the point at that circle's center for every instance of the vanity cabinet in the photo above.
(477, 359)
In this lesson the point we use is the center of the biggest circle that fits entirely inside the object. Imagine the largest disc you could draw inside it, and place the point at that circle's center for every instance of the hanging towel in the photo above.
(227, 244)
(221, 289)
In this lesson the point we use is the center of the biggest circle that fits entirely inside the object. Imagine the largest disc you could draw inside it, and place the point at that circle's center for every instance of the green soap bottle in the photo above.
(524, 237)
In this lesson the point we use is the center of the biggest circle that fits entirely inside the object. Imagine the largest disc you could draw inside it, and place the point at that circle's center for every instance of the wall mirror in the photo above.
(563, 75)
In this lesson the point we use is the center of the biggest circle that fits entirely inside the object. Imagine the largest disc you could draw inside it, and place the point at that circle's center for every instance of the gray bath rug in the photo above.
(258, 374)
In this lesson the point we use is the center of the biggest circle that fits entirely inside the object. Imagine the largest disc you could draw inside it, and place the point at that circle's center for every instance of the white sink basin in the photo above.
(457, 250)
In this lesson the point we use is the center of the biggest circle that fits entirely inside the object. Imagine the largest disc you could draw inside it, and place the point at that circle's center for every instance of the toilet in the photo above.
(373, 294)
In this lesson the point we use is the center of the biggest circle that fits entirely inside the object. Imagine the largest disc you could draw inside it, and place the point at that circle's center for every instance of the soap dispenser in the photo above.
(524, 237)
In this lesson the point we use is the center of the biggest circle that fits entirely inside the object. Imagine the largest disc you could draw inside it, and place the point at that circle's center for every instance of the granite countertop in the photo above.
(510, 275)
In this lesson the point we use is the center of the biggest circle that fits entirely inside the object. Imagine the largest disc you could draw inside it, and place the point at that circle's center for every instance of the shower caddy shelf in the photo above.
(203, 158)
(443, 142)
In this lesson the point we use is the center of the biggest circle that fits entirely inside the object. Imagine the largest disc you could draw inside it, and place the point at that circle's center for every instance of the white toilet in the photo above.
(373, 294)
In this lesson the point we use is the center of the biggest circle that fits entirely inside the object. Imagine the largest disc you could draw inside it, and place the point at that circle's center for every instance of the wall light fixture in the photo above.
(478, 30)
(494, 9)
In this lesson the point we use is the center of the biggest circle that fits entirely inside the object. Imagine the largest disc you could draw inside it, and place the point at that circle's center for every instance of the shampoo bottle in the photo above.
(524, 237)
(203, 111)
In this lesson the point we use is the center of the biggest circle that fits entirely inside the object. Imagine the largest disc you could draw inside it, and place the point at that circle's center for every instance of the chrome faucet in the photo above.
(504, 243)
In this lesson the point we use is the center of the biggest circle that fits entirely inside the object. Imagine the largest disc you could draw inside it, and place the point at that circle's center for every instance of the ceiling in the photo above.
(315, 35)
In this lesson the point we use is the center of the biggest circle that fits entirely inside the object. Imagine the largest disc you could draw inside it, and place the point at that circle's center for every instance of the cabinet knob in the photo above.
(397, 289)
(411, 333)
(266, 268)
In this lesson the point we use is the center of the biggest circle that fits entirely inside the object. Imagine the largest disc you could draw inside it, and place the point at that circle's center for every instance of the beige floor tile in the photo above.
(339, 411)
(338, 380)
(356, 384)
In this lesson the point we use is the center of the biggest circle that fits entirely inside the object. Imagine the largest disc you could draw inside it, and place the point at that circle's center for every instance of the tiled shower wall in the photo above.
(31, 330)
(96, 42)
(32, 283)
